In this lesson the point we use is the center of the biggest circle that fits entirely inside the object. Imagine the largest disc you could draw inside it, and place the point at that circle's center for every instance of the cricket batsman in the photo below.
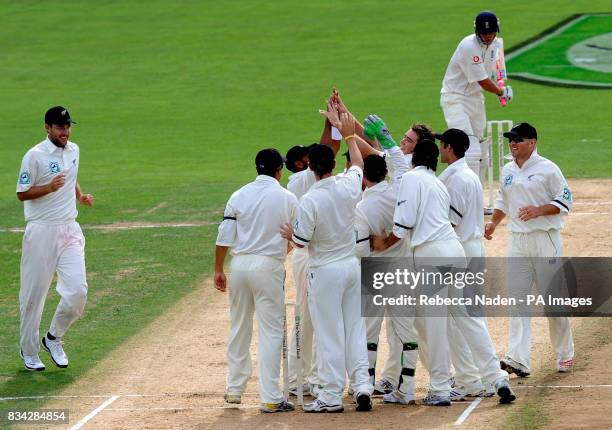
(468, 73)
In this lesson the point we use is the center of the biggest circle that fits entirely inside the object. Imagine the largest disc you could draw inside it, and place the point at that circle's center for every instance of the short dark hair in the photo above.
(423, 131)
(374, 168)
(295, 153)
(321, 159)
(426, 154)
(268, 161)
(457, 139)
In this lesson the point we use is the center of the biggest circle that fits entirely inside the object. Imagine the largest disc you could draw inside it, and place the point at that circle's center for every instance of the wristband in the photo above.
(352, 136)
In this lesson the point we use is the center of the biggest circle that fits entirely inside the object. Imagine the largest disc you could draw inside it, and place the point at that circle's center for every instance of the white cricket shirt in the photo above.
(471, 62)
(397, 163)
(466, 200)
(39, 166)
(538, 182)
(300, 182)
(253, 218)
(326, 218)
(374, 217)
(422, 208)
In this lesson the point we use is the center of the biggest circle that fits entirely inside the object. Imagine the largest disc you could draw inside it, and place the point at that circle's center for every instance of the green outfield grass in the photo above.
(173, 100)
(549, 58)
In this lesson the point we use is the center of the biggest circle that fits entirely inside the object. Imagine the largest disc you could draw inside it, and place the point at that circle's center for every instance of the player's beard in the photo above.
(58, 142)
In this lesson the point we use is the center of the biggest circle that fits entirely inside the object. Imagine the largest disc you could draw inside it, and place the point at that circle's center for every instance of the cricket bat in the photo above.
(500, 70)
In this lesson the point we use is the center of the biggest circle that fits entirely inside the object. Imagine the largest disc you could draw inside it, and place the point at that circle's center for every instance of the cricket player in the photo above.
(536, 198)
(413, 135)
(252, 219)
(374, 217)
(325, 224)
(53, 240)
(468, 73)
(422, 209)
(471, 348)
(299, 184)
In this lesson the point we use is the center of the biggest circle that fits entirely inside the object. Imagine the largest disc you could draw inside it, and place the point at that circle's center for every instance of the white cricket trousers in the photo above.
(472, 351)
(467, 114)
(432, 330)
(393, 365)
(307, 352)
(256, 285)
(334, 297)
(48, 249)
(523, 273)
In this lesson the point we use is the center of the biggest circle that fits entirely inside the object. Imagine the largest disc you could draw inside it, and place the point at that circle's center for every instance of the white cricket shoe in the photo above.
(235, 399)
(319, 406)
(32, 362)
(432, 399)
(382, 386)
(459, 393)
(399, 398)
(270, 408)
(511, 366)
(56, 351)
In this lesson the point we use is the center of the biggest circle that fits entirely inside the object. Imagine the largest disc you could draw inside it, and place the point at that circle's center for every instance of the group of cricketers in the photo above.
(388, 202)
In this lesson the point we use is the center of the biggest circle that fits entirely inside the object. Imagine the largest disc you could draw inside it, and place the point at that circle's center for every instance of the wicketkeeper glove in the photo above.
(375, 127)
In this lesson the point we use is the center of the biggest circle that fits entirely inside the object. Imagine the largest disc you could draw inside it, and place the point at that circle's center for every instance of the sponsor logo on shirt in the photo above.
(54, 167)
(508, 180)
(24, 178)
(400, 202)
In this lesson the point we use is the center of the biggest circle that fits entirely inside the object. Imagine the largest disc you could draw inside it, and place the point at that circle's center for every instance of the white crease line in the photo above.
(108, 227)
(2, 399)
(95, 396)
(591, 213)
(593, 203)
(93, 413)
(202, 408)
(468, 411)
(565, 386)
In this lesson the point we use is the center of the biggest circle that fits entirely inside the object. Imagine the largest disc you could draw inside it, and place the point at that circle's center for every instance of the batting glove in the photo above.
(508, 93)
(375, 127)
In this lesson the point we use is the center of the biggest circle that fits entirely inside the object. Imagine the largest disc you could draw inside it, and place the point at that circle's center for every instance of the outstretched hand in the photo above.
(347, 124)
(335, 98)
(331, 114)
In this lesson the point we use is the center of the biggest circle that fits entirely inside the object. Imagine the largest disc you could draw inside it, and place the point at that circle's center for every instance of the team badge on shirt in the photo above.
(54, 167)
(24, 178)
(508, 180)
(476, 59)
(567, 194)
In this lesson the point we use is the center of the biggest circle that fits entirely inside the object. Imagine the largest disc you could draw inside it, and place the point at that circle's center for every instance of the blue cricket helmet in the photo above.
(486, 22)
